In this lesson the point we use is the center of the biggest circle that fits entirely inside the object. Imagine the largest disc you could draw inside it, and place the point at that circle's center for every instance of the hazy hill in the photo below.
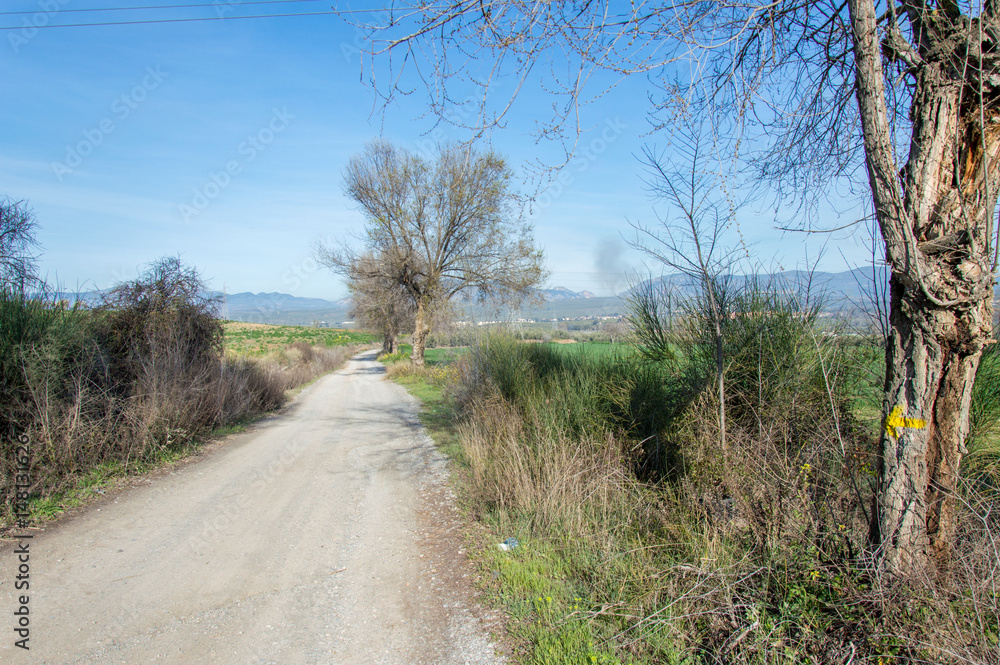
(274, 301)
(843, 291)
(292, 310)
(562, 293)
(840, 290)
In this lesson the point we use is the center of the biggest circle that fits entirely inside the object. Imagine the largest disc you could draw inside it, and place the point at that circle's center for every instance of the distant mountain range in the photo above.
(843, 291)
(236, 302)
(562, 293)
(274, 301)
(247, 302)
(839, 290)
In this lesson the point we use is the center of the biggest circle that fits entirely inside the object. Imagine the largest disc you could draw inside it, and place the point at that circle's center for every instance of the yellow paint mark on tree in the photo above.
(895, 421)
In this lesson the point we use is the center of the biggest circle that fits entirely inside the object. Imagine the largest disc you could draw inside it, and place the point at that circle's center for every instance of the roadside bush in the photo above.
(575, 393)
(42, 343)
(161, 323)
(687, 552)
(121, 384)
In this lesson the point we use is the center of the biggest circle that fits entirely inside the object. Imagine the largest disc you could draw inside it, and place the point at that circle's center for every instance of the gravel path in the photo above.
(324, 535)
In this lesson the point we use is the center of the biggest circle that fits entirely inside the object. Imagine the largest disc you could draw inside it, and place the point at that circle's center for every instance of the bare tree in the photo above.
(439, 229)
(907, 93)
(617, 329)
(379, 303)
(17, 244)
(688, 241)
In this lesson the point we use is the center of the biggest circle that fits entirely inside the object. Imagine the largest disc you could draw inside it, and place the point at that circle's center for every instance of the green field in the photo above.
(444, 356)
(256, 339)
(441, 356)
(591, 348)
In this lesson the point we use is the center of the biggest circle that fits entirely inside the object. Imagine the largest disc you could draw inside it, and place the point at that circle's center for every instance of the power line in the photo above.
(165, 20)
(129, 9)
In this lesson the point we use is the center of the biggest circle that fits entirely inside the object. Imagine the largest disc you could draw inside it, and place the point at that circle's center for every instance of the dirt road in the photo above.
(324, 535)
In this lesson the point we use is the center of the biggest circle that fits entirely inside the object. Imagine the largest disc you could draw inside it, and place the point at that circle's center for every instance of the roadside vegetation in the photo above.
(613, 332)
(145, 377)
(644, 536)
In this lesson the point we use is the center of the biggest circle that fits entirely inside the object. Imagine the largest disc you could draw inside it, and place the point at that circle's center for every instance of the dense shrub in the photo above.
(685, 552)
(571, 392)
(142, 373)
(161, 316)
(42, 343)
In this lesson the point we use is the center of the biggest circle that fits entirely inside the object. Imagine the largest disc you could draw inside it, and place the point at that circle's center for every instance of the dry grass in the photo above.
(170, 397)
(564, 484)
(753, 556)
(436, 374)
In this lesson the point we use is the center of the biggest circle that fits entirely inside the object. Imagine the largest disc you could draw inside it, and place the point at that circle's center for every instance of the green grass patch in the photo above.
(537, 584)
(444, 356)
(437, 356)
(591, 348)
(256, 339)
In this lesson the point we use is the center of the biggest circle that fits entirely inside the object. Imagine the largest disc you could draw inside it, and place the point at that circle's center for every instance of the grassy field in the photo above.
(591, 348)
(257, 339)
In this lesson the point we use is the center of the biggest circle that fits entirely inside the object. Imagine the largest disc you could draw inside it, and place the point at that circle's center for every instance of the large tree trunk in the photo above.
(940, 318)
(931, 361)
(389, 343)
(390, 336)
(420, 331)
(935, 218)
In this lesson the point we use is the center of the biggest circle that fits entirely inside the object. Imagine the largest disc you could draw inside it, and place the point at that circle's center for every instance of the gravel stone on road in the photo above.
(325, 534)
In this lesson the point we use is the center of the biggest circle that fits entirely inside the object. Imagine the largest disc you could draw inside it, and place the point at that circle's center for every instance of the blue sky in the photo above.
(224, 142)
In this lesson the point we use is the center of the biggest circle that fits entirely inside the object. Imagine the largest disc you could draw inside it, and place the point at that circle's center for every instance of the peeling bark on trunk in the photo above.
(935, 217)
(931, 363)
(420, 331)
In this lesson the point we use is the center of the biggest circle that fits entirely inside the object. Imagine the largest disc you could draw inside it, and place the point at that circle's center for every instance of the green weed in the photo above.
(758, 558)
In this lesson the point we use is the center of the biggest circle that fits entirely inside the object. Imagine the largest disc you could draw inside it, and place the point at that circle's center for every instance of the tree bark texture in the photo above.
(390, 343)
(420, 331)
(935, 217)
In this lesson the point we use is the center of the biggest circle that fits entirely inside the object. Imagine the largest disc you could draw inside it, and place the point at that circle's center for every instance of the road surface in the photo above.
(323, 535)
